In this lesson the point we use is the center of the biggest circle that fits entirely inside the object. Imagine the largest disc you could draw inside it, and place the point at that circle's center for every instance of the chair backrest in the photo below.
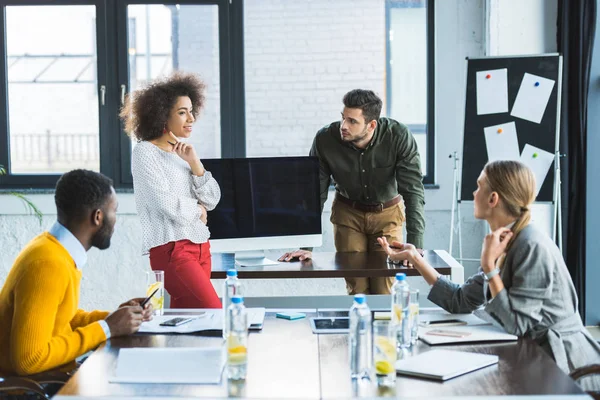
(588, 370)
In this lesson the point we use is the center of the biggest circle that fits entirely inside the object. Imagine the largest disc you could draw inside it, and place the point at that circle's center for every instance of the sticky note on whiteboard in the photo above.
(539, 161)
(501, 142)
(492, 91)
(532, 98)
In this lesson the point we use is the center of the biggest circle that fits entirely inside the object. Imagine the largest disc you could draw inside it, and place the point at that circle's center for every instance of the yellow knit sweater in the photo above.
(41, 326)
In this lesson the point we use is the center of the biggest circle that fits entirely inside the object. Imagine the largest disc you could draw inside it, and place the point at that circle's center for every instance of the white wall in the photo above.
(461, 29)
(519, 27)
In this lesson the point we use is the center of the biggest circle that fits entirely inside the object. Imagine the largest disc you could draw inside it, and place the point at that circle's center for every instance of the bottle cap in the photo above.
(401, 276)
(237, 299)
(360, 298)
(231, 272)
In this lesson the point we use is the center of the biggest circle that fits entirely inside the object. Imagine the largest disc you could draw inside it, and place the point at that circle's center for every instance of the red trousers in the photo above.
(187, 269)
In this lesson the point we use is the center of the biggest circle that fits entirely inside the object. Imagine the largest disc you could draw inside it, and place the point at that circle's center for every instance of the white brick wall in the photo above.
(301, 57)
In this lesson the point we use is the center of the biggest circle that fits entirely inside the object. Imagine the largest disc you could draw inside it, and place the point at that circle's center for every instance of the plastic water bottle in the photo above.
(233, 287)
(400, 316)
(237, 339)
(360, 339)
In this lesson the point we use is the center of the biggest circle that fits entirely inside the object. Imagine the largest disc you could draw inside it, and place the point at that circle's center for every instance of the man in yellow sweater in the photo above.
(41, 326)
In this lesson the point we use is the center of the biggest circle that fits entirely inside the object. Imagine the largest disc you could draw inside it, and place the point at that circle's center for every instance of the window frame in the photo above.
(429, 178)
(115, 150)
(43, 181)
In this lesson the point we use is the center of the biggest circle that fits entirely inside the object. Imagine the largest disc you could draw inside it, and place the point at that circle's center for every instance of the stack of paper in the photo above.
(169, 365)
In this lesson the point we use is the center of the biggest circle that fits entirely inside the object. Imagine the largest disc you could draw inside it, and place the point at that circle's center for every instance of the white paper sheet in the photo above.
(169, 365)
(211, 320)
(492, 91)
(540, 164)
(532, 100)
(501, 142)
(479, 333)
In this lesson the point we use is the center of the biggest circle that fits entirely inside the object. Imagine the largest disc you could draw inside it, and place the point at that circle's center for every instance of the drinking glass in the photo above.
(156, 280)
(413, 313)
(384, 352)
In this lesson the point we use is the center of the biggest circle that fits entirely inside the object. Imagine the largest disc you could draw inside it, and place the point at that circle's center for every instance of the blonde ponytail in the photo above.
(515, 184)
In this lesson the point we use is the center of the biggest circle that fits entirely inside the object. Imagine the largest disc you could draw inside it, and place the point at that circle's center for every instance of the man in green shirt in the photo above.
(376, 169)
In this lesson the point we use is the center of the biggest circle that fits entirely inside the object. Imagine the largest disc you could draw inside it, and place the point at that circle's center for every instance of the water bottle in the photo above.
(400, 309)
(233, 287)
(360, 339)
(237, 339)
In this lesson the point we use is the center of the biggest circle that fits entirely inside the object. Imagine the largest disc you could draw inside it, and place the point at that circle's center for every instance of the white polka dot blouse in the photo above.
(167, 197)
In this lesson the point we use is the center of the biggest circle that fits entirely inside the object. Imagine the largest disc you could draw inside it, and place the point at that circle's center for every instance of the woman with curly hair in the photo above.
(172, 189)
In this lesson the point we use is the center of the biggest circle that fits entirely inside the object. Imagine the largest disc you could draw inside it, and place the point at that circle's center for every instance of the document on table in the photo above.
(444, 364)
(480, 333)
(194, 365)
(211, 320)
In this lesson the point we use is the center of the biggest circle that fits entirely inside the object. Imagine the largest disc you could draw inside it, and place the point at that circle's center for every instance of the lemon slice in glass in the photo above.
(384, 367)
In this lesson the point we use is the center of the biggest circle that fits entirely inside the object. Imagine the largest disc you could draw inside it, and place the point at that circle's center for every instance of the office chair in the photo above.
(578, 373)
(40, 385)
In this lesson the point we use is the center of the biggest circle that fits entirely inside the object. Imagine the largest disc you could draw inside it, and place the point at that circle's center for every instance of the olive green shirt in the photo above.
(388, 166)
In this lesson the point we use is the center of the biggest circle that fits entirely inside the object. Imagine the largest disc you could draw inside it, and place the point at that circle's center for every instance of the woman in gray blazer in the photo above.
(523, 282)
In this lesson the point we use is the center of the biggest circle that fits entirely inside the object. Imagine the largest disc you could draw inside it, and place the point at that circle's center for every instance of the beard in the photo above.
(358, 138)
(101, 239)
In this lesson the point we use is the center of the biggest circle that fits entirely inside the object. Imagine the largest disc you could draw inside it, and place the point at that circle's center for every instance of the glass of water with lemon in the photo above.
(384, 352)
(413, 312)
(156, 280)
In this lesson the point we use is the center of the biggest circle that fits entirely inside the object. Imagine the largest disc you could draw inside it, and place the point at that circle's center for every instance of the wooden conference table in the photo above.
(287, 361)
(329, 265)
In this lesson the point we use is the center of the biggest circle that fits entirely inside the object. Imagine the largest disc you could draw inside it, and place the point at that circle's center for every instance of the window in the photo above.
(409, 73)
(275, 71)
(297, 68)
(163, 38)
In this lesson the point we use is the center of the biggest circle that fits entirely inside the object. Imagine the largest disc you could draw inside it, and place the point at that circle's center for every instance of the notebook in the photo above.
(479, 333)
(169, 365)
(442, 365)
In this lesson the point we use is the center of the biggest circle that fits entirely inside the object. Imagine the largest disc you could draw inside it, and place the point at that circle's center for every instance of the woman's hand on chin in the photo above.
(494, 245)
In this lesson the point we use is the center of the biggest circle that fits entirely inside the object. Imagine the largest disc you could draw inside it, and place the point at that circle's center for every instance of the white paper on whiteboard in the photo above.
(492, 92)
(540, 164)
(504, 145)
(532, 100)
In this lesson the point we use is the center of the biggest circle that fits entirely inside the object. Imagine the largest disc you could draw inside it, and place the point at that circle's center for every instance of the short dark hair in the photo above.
(146, 110)
(367, 101)
(80, 191)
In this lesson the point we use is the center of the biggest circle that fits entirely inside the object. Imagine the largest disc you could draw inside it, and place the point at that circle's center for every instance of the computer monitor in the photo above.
(266, 203)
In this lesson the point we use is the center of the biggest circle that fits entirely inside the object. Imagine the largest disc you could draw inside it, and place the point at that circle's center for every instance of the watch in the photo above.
(491, 274)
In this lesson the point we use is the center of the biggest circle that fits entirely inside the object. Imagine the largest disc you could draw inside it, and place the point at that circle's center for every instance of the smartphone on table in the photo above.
(180, 320)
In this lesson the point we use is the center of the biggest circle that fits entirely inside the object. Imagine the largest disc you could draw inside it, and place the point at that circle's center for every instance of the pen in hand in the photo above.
(147, 299)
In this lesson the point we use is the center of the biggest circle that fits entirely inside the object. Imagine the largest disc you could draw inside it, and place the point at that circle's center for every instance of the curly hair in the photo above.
(146, 110)
(80, 191)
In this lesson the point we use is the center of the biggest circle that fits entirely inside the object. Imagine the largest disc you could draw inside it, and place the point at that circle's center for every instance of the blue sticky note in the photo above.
(290, 315)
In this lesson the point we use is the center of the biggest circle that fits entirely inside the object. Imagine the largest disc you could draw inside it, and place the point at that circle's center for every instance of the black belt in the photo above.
(379, 207)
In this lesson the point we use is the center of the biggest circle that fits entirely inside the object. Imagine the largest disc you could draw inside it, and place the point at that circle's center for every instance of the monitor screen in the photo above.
(265, 197)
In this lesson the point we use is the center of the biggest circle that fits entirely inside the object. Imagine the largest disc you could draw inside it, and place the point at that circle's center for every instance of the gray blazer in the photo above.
(539, 301)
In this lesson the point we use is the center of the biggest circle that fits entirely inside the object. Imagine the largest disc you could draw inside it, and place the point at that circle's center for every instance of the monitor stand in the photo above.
(253, 258)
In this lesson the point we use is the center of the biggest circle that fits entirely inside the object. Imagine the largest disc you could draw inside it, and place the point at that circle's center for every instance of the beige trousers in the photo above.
(355, 230)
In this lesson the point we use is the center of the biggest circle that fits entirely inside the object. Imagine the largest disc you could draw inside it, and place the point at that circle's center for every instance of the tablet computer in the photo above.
(330, 325)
